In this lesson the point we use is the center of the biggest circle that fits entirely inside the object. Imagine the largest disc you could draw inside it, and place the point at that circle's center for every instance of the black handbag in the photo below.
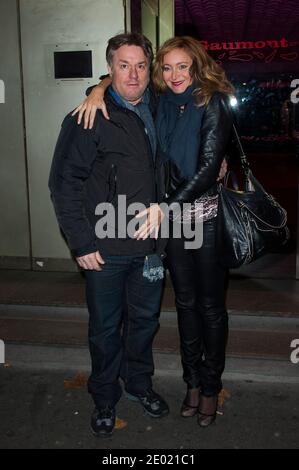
(250, 223)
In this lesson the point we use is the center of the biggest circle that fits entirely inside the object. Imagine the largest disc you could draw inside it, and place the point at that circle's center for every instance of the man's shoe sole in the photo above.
(102, 435)
(136, 400)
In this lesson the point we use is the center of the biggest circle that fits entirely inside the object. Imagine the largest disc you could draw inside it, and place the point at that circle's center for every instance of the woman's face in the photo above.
(176, 70)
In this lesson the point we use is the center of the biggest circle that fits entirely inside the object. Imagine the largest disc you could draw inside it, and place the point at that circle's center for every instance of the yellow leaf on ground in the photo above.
(223, 396)
(120, 423)
(79, 381)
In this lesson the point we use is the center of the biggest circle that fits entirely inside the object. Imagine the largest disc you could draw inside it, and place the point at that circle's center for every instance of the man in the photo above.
(114, 158)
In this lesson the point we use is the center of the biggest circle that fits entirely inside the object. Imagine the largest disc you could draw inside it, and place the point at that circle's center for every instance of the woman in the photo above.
(193, 128)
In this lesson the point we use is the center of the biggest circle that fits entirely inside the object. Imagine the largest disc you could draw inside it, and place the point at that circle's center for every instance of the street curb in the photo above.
(166, 364)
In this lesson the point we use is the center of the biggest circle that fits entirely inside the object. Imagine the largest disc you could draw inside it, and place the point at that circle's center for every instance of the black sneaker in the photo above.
(103, 421)
(152, 403)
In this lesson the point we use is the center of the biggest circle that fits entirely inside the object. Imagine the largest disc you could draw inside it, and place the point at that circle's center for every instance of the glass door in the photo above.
(153, 18)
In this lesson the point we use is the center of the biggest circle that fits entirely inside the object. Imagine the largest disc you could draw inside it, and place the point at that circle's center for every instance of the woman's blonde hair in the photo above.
(206, 73)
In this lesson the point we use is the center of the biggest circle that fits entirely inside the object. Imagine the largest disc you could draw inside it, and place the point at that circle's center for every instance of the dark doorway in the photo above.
(257, 45)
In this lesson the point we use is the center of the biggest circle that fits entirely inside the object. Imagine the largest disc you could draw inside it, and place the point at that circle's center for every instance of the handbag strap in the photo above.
(232, 176)
(242, 155)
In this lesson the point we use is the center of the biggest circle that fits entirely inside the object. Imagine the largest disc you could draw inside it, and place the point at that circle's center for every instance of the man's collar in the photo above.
(122, 102)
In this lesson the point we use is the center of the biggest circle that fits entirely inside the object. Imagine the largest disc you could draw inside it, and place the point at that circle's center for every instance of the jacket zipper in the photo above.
(151, 158)
(114, 189)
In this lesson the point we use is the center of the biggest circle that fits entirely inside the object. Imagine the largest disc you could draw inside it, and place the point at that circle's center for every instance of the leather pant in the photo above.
(199, 284)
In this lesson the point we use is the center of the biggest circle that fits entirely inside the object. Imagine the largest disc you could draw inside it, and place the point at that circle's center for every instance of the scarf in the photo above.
(179, 133)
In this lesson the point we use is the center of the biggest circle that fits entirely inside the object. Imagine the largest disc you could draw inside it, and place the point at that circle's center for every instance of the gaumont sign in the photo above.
(235, 45)
(264, 50)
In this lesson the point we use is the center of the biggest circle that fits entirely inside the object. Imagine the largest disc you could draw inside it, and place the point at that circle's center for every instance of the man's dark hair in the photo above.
(129, 39)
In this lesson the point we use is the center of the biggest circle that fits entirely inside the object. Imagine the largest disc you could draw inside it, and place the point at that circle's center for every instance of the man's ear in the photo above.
(109, 70)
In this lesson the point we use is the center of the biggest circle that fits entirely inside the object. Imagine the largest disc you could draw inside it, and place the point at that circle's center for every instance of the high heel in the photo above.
(189, 406)
(207, 410)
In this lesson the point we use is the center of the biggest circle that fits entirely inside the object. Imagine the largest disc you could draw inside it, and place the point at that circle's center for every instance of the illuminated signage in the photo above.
(265, 50)
(236, 45)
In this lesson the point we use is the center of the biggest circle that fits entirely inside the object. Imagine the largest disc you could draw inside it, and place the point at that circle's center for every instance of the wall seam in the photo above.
(24, 132)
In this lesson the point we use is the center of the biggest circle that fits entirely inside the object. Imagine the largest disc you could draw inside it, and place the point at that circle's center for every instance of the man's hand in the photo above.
(223, 170)
(94, 101)
(152, 223)
(92, 261)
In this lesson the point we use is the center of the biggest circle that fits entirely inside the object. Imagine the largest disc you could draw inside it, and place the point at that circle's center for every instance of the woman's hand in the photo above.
(94, 101)
(154, 217)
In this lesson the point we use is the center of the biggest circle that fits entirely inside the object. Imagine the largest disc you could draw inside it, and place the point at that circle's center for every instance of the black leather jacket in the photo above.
(215, 135)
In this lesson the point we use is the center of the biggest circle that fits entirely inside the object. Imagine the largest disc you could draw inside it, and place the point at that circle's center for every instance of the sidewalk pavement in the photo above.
(44, 403)
(50, 409)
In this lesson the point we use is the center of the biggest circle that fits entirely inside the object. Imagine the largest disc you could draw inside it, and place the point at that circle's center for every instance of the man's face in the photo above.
(130, 73)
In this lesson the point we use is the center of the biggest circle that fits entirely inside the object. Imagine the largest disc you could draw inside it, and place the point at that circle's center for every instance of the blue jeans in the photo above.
(123, 320)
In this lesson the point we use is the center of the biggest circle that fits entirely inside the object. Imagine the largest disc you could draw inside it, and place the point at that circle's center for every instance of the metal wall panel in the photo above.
(14, 225)
(45, 25)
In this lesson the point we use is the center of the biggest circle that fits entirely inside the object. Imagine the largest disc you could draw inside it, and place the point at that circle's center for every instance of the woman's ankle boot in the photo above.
(207, 410)
(190, 404)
